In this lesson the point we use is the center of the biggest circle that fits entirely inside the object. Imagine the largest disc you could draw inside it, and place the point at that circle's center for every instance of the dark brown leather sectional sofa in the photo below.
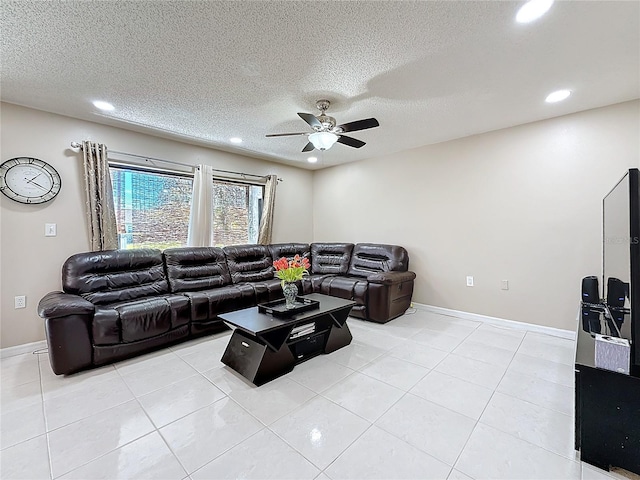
(120, 303)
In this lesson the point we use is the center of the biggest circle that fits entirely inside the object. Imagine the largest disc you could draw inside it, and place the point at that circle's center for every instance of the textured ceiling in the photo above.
(205, 71)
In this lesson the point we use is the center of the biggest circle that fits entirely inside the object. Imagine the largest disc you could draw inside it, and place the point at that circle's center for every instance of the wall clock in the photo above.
(29, 180)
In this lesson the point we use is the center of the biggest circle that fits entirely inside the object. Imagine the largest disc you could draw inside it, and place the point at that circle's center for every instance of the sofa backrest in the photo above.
(289, 250)
(196, 268)
(370, 258)
(249, 263)
(330, 257)
(115, 275)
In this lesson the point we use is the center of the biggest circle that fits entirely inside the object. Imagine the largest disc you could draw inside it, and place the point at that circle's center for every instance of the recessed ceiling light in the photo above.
(103, 105)
(532, 10)
(312, 159)
(235, 140)
(557, 96)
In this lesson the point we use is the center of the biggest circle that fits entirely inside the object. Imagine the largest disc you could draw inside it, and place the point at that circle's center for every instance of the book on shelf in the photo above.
(302, 330)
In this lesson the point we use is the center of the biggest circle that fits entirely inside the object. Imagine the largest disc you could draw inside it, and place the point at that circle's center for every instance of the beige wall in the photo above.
(30, 262)
(521, 204)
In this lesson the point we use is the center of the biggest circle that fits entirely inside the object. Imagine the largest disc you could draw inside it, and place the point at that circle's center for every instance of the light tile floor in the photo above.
(425, 396)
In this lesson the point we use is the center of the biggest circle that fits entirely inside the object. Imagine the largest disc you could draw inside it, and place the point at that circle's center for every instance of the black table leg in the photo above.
(256, 361)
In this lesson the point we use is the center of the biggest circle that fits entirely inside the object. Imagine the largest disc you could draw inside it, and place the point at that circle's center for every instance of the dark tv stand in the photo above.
(607, 411)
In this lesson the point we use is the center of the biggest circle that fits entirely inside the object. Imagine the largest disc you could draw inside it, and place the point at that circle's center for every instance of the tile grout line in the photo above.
(344, 450)
(156, 429)
(406, 392)
(264, 425)
(405, 441)
(44, 419)
(371, 424)
(387, 353)
(485, 408)
(226, 451)
(506, 433)
(117, 448)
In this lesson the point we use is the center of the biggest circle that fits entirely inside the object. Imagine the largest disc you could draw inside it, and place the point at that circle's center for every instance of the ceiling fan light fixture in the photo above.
(532, 10)
(558, 96)
(323, 140)
(106, 106)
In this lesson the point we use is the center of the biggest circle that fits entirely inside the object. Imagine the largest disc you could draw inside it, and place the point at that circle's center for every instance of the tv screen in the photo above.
(621, 258)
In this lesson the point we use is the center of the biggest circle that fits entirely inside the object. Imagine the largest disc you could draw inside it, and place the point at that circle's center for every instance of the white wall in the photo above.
(30, 262)
(521, 204)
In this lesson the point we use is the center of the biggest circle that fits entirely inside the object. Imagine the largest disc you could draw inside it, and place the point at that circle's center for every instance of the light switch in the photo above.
(50, 230)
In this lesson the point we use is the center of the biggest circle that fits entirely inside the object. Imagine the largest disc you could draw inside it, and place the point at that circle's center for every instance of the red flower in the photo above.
(291, 271)
(281, 264)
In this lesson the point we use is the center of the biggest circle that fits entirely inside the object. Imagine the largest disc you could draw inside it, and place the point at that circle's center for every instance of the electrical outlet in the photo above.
(20, 301)
(504, 284)
(469, 281)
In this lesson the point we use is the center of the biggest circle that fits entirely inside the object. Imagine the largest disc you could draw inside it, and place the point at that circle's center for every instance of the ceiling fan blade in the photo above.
(286, 134)
(359, 125)
(350, 141)
(308, 147)
(310, 119)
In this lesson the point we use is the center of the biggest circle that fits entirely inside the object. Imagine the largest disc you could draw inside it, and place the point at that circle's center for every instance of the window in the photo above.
(236, 213)
(152, 209)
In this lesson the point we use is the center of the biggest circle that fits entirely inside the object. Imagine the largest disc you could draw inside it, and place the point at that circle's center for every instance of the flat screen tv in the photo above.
(621, 259)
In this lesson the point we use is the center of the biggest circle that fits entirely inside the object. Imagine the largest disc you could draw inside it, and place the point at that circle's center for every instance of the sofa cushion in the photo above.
(208, 304)
(369, 258)
(346, 287)
(106, 326)
(330, 257)
(268, 290)
(139, 319)
(311, 283)
(249, 263)
(144, 319)
(196, 268)
(115, 275)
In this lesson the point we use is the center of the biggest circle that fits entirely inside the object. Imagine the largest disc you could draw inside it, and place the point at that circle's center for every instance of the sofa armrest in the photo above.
(67, 326)
(60, 304)
(391, 278)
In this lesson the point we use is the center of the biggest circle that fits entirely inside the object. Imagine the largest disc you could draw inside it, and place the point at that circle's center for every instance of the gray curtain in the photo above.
(101, 216)
(266, 224)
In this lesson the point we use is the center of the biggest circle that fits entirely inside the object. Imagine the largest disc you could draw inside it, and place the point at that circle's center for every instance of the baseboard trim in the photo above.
(20, 349)
(500, 322)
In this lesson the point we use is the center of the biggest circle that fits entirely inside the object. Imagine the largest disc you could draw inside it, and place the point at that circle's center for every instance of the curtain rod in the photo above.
(79, 145)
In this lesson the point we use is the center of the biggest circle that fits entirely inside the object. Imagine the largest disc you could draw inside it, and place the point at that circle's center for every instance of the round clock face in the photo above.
(29, 180)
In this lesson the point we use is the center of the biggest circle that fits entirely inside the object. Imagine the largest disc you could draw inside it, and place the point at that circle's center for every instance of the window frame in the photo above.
(120, 165)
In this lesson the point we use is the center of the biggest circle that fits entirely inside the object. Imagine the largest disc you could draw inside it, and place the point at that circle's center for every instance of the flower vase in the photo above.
(290, 291)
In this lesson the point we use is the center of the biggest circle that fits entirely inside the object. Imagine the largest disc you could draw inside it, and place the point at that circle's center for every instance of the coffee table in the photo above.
(262, 347)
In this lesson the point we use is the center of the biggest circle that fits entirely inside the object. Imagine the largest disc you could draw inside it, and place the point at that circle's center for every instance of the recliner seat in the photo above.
(117, 301)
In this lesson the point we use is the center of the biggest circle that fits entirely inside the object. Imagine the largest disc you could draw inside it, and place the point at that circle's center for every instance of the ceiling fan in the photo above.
(326, 132)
